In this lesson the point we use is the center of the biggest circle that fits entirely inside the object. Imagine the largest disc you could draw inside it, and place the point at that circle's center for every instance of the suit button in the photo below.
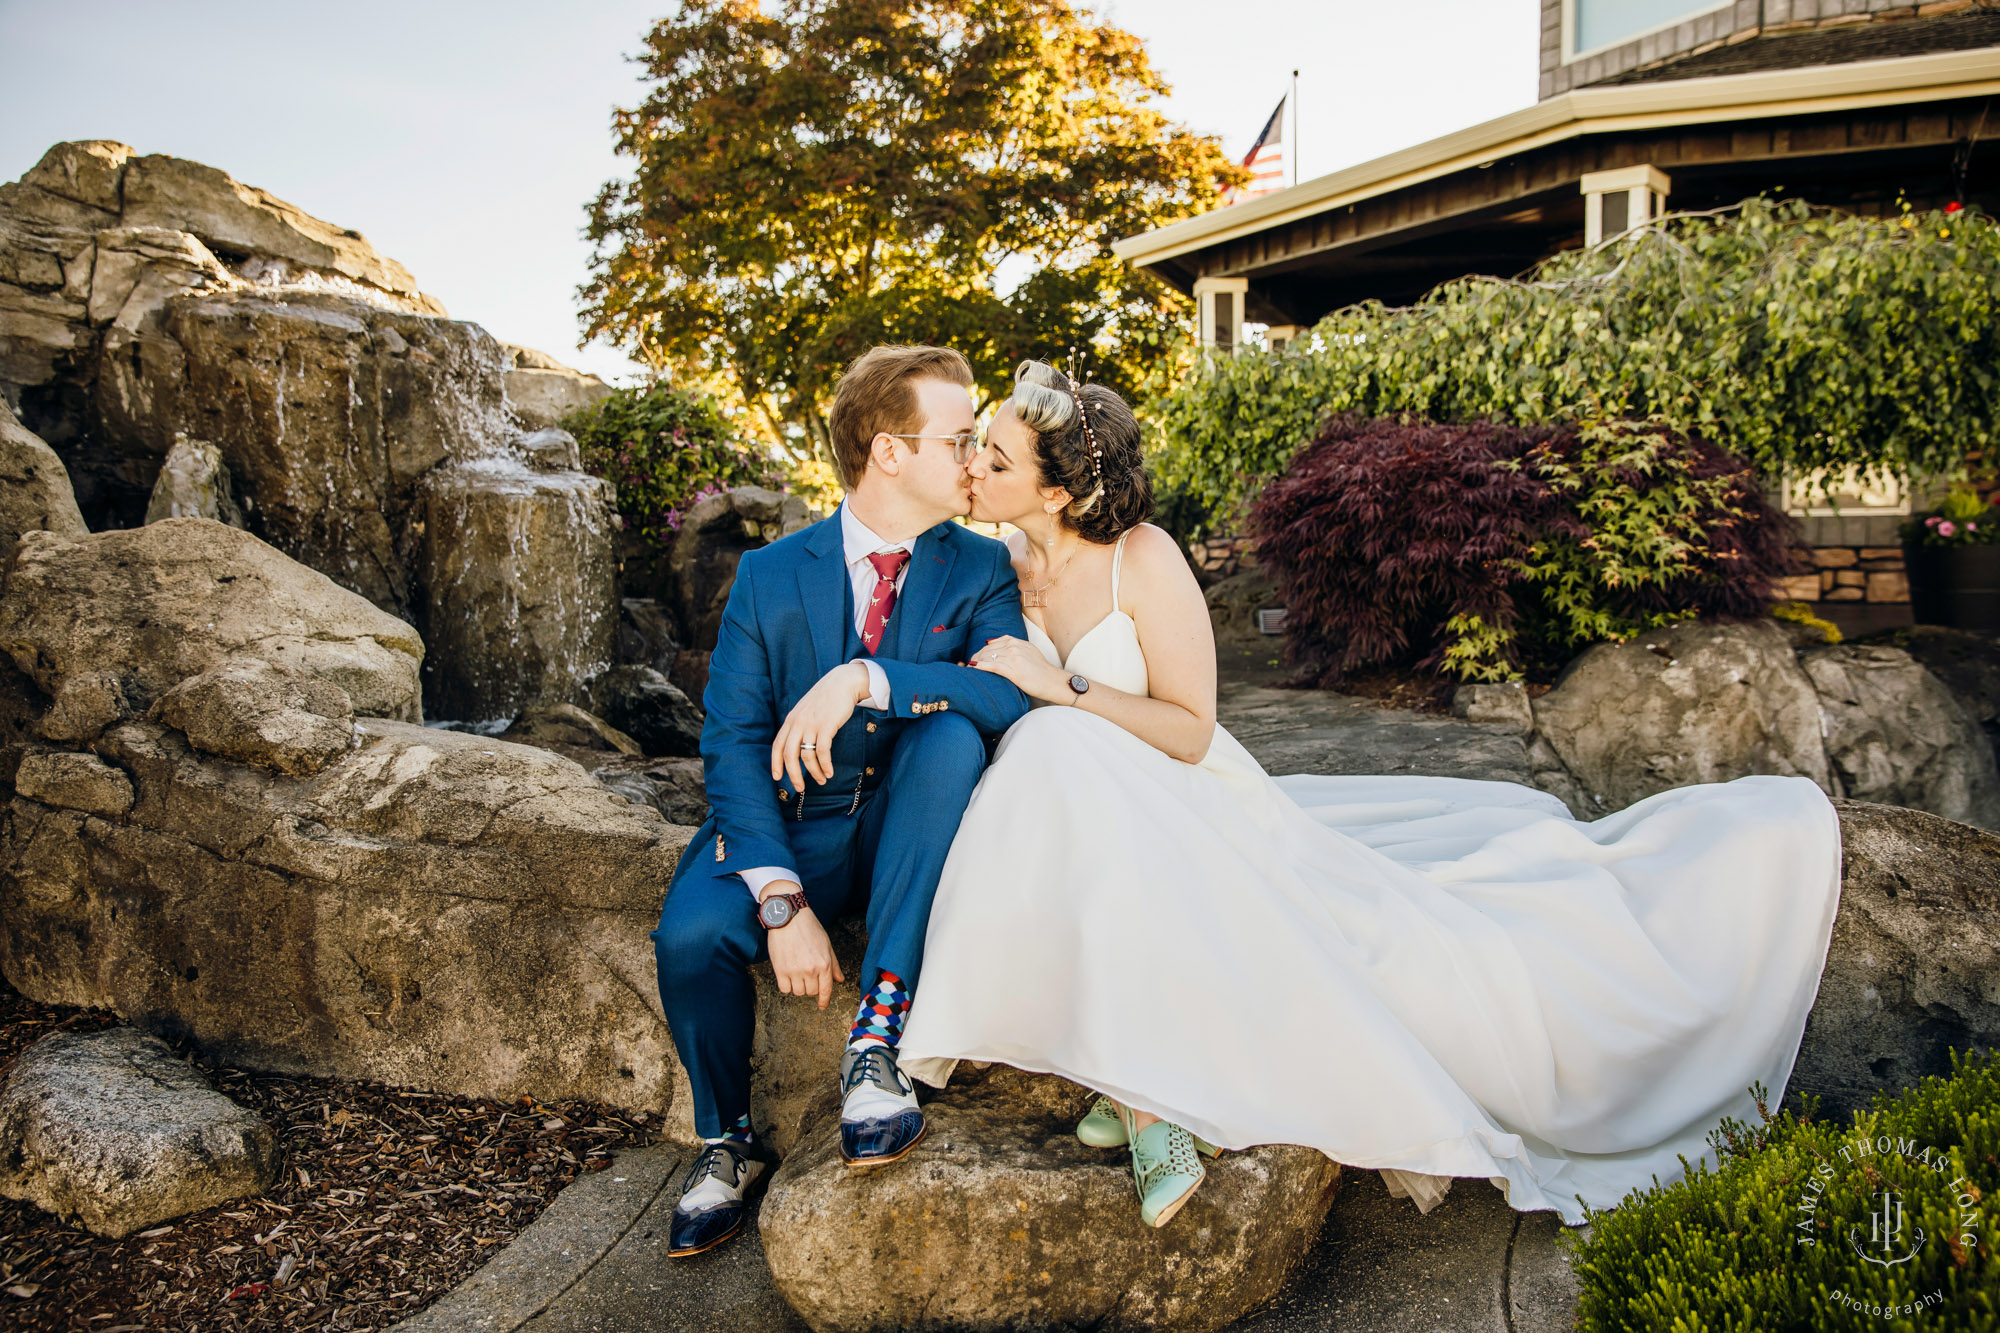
(944, 703)
(871, 726)
(870, 772)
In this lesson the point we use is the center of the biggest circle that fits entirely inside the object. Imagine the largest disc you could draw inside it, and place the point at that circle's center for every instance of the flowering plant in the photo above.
(1961, 519)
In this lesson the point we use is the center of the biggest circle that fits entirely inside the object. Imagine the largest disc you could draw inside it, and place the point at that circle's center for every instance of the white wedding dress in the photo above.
(1432, 977)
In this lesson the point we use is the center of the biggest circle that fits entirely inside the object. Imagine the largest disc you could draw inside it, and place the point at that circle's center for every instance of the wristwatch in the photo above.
(1079, 684)
(779, 909)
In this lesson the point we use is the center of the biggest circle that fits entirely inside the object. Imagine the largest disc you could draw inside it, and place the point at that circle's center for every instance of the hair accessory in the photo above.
(1089, 435)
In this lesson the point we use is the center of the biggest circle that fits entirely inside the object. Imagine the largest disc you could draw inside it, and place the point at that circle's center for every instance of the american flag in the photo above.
(1266, 160)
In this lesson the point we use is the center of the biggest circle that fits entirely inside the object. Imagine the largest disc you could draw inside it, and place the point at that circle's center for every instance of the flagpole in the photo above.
(1295, 127)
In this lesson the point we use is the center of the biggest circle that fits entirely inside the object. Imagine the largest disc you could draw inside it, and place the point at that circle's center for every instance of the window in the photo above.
(1594, 25)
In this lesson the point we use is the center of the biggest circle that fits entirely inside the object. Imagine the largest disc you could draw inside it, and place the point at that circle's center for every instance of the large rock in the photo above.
(520, 568)
(1916, 947)
(107, 623)
(1692, 703)
(34, 486)
(435, 910)
(541, 390)
(194, 483)
(1233, 604)
(1896, 736)
(1004, 1220)
(713, 536)
(328, 410)
(651, 709)
(257, 712)
(1969, 666)
(113, 1132)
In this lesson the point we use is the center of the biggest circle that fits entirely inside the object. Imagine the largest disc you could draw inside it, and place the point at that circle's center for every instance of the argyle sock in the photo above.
(883, 1009)
(736, 1131)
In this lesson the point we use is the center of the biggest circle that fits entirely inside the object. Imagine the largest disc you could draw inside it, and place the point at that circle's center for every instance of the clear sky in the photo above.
(464, 137)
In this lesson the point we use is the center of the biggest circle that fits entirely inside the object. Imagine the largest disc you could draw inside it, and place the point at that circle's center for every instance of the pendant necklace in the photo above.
(1038, 597)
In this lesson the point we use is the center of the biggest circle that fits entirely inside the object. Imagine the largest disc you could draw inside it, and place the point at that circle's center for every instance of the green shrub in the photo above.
(1767, 1240)
(1792, 337)
(665, 450)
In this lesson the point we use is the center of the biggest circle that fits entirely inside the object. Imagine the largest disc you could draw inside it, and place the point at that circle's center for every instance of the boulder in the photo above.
(674, 787)
(713, 536)
(74, 781)
(1504, 703)
(1233, 604)
(565, 726)
(257, 712)
(328, 411)
(34, 486)
(648, 707)
(645, 635)
(194, 483)
(111, 1131)
(519, 568)
(107, 623)
(1916, 946)
(550, 450)
(1896, 736)
(435, 910)
(1969, 666)
(541, 390)
(1004, 1220)
(1697, 702)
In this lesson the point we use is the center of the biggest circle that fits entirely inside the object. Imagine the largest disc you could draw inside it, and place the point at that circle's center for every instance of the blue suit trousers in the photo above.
(881, 858)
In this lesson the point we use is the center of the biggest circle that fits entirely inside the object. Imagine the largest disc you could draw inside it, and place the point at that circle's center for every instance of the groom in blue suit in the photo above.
(842, 743)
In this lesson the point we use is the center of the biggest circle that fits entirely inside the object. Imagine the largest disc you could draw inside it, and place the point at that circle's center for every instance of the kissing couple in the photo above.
(1430, 977)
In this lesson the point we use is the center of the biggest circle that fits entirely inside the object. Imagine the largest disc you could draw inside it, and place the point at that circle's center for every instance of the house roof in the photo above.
(1585, 111)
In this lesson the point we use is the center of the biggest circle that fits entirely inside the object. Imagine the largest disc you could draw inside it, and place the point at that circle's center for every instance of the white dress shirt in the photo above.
(857, 543)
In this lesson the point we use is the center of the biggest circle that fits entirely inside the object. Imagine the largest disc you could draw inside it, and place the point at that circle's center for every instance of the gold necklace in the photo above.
(1037, 598)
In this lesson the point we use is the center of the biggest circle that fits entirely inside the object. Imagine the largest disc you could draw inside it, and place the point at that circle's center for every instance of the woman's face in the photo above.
(1005, 476)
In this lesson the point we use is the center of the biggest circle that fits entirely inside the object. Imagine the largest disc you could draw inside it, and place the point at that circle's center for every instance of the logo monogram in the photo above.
(1885, 1232)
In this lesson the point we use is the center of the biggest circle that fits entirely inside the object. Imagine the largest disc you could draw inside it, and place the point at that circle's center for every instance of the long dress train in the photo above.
(1433, 977)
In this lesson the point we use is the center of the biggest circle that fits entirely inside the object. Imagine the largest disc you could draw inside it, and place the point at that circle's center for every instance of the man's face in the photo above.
(931, 473)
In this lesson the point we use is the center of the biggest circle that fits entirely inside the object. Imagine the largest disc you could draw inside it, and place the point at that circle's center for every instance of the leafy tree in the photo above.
(818, 176)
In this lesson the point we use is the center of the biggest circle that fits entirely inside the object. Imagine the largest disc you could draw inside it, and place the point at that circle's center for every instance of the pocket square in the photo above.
(937, 629)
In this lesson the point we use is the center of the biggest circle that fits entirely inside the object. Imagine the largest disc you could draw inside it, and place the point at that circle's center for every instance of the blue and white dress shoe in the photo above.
(712, 1205)
(879, 1119)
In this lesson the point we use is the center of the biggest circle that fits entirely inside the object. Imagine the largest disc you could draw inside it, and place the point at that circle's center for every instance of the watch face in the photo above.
(775, 912)
(1079, 684)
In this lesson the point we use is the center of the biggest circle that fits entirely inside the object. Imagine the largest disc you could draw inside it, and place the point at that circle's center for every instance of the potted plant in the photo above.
(1952, 556)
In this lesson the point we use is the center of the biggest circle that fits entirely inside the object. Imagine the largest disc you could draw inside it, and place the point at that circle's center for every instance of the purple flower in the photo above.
(1947, 528)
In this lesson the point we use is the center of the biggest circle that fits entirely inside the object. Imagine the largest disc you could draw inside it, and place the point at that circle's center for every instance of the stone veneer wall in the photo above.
(1739, 22)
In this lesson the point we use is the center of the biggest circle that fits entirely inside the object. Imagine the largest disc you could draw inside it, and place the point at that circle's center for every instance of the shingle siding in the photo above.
(1733, 23)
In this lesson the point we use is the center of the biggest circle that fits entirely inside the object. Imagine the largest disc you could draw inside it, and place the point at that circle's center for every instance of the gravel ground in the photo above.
(385, 1200)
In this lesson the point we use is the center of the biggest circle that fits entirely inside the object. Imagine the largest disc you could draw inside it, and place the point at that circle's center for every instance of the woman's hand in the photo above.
(1023, 663)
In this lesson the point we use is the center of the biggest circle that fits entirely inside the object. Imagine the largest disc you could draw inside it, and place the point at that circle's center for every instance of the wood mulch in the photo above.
(385, 1200)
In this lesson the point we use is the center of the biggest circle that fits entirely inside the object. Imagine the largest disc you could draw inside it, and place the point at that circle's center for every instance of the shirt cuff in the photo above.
(758, 878)
(878, 684)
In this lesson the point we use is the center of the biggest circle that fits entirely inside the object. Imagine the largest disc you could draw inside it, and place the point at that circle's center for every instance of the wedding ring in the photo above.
(807, 745)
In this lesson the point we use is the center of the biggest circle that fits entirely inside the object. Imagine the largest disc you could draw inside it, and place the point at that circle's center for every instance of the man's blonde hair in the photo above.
(876, 395)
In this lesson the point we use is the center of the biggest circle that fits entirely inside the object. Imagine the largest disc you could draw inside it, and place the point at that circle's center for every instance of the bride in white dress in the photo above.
(1432, 977)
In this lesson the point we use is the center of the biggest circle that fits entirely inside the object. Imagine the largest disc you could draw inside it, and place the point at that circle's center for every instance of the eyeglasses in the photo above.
(963, 445)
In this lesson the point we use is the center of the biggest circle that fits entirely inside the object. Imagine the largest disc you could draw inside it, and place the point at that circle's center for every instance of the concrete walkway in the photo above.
(594, 1262)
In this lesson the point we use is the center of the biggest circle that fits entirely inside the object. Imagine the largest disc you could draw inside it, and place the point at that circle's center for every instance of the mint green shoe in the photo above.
(1166, 1169)
(1101, 1127)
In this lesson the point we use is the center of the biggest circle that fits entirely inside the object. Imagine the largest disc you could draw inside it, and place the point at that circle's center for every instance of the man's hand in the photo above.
(801, 954)
(814, 720)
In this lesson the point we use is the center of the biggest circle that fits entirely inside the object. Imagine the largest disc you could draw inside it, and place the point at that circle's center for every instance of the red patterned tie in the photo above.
(887, 565)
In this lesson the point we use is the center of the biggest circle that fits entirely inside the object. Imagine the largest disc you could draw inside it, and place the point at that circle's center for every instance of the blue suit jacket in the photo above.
(787, 624)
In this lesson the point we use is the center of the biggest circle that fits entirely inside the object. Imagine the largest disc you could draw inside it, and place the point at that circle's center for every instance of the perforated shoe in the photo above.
(879, 1119)
(1102, 1127)
(1165, 1169)
(714, 1195)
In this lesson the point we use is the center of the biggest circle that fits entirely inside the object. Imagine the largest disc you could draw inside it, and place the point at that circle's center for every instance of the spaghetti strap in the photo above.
(1117, 555)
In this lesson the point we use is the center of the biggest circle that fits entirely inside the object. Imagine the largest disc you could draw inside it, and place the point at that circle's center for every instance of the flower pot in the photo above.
(1955, 585)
